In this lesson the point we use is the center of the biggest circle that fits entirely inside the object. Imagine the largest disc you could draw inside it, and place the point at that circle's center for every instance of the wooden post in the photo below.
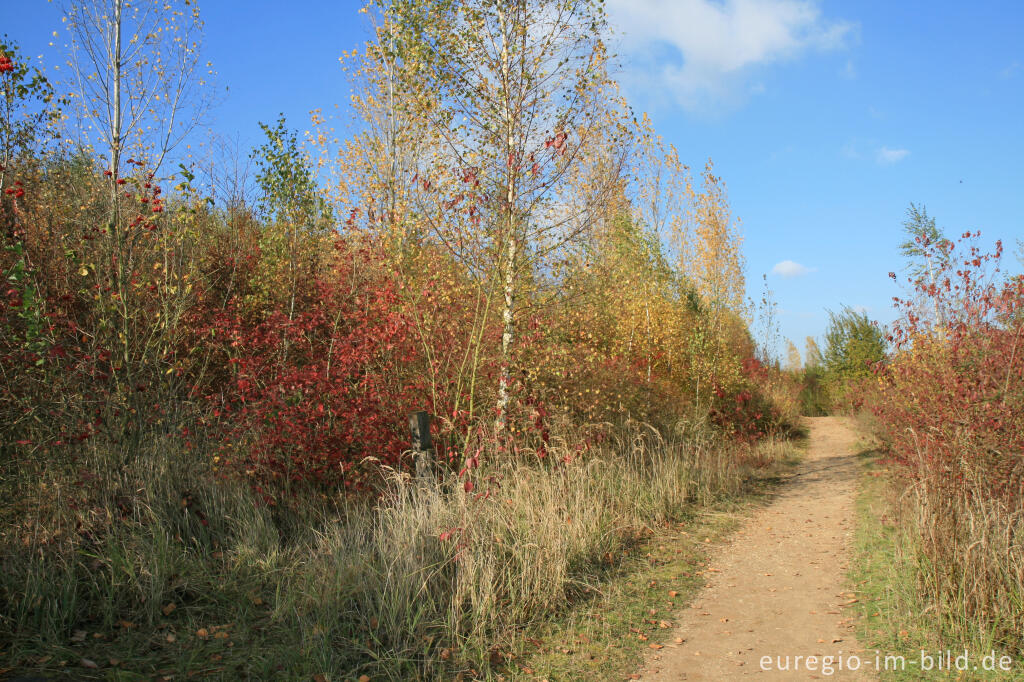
(422, 446)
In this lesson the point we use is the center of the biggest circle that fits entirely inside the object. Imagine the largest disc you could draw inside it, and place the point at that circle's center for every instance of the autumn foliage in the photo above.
(951, 395)
(950, 406)
(207, 380)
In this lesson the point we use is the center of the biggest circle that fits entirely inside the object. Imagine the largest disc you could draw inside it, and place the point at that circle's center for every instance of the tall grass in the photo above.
(935, 574)
(427, 580)
(967, 553)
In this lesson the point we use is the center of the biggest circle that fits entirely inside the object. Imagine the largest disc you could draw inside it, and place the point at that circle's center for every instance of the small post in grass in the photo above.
(422, 446)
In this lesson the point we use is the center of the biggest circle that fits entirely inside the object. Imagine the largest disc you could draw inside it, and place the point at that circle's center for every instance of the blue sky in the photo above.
(824, 118)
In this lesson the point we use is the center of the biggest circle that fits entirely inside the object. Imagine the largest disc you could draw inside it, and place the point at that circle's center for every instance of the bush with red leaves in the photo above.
(309, 397)
(952, 398)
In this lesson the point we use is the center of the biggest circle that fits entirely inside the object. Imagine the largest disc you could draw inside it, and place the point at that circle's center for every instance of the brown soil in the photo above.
(778, 588)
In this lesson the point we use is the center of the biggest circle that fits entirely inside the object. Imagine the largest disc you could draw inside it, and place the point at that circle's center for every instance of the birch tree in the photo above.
(138, 82)
(925, 262)
(716, 261)
(390, 104)
(137, 75)
(519, 99)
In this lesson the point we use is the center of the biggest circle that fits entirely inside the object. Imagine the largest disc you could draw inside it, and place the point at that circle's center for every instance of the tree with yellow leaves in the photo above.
(519, 99)
(812, 354)
(793, 361)
(716, 263)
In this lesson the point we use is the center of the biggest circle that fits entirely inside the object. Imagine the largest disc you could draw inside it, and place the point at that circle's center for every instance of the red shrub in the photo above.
(952, 399)
(309, 396)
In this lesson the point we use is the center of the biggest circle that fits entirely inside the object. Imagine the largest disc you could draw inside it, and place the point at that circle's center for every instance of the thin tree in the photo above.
(519, 100)
(137, 74)
(812, 354)
(924, 251)
(137, 79)
(793, 361)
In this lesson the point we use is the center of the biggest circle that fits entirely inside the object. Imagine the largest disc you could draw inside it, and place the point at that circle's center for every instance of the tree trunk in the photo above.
(508, 269)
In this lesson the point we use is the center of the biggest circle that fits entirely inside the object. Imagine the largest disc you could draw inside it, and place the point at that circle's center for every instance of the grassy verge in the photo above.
(191, 578)
(896, 617)
(607, 637)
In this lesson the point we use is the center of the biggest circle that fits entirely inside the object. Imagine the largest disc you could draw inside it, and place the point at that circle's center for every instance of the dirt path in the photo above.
(778, 588)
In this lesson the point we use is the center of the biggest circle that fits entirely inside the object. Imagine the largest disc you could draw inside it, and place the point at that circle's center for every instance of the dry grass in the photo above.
(968, 555)
(428, 581)
(942, 571)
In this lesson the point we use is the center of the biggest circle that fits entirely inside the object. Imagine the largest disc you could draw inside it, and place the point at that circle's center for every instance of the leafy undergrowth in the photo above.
(894, 616)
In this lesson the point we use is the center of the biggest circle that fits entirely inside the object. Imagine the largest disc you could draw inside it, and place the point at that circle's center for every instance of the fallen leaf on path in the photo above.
(656, 646)
(86, 663)
(169, 608)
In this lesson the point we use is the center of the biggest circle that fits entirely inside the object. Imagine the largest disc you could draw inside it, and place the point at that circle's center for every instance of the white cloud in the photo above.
(849, 71)
(788, 269)
(889, 156)
(701, 51)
